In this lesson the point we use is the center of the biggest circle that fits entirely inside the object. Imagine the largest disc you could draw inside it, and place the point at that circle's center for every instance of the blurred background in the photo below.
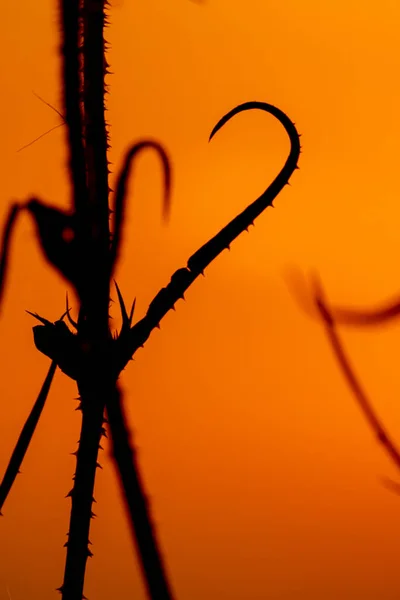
(264, 479)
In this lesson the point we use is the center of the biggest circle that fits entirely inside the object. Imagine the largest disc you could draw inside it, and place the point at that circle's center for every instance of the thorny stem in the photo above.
(95, 383)
(87, 265)
(94, 70)
(71, 77)
(82, 498)
(183, 278)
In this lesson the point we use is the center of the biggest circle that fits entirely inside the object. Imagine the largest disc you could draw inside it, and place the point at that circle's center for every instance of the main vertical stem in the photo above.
(96, 382)
(81, 511)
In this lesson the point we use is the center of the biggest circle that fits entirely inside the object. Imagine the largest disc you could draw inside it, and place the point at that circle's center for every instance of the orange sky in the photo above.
(263, 476)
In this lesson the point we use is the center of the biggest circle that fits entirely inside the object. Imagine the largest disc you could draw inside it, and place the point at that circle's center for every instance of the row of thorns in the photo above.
(84, 250)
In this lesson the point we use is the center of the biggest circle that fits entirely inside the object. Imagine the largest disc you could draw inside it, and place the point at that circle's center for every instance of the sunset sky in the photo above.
(264, 479)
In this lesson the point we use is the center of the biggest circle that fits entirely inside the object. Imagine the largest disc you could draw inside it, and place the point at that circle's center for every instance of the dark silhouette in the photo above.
(25, 437)
(81, 246)
(360, 395)
(331, 317)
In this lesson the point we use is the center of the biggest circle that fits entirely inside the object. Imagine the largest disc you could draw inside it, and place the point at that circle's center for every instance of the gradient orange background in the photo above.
(262, 475)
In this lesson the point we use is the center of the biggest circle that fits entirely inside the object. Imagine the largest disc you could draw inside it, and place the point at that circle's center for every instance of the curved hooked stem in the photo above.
(121, 190)
(351, 378)
(25, 437)
(360, 317)
(343, 315)
(56, 233)
(183, 278)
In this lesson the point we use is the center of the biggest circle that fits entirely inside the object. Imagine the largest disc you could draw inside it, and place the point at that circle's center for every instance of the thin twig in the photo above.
(359, 393)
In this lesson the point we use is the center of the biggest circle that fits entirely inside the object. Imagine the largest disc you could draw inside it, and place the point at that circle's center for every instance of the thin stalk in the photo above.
(143, 533)
(71, 77)
(82, 498)
(183, 278)
(359, 393)
(94, 70)
(25, 437)
(94, 384)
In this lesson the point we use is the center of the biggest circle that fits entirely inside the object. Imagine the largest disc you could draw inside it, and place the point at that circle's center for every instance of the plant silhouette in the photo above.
(83, 246)
(331, 318)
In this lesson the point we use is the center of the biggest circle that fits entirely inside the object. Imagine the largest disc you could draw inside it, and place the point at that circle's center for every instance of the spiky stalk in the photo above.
(95, 382)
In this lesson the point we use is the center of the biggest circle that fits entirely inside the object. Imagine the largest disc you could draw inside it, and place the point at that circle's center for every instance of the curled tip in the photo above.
(232, 113)
(121, 188)
(166, 209)
(270, 108)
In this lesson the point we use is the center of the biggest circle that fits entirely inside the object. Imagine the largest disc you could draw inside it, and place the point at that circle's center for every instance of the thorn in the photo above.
(98, 465)
(70, 319)
(70, 493)
(125, 317)
(132, 311)
(39, 318)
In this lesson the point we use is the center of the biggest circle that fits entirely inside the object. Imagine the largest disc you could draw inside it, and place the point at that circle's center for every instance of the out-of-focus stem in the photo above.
(124, 454)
